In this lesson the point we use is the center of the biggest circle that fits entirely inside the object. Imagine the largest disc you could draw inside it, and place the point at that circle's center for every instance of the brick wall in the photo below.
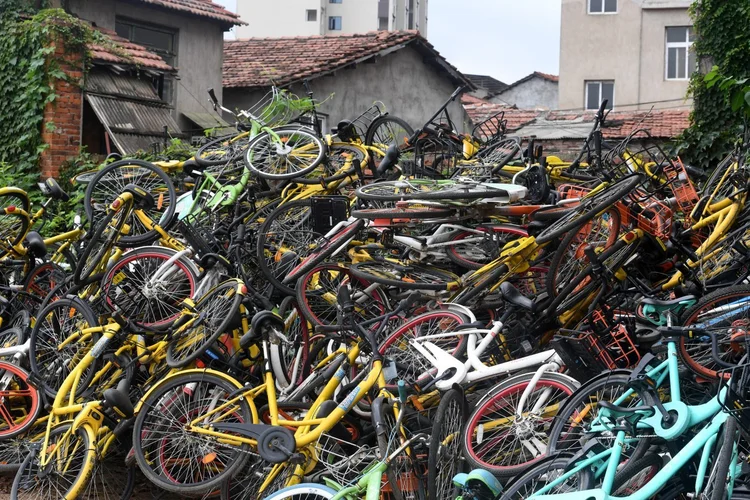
(65, 113)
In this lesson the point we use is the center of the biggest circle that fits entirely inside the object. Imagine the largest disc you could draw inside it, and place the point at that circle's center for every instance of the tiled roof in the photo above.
(259, 62)
(492, 85)
(547, 76)
(535, 74)
(661, 123)
(203, 8)
(127, 53)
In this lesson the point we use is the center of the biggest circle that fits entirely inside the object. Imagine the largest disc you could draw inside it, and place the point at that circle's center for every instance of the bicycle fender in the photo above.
(206, 371)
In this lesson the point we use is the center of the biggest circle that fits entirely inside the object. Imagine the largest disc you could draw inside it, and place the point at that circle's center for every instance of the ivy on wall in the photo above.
(722, 40)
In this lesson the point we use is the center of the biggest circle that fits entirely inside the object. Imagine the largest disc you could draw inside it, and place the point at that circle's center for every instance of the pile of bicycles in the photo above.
(380, 312)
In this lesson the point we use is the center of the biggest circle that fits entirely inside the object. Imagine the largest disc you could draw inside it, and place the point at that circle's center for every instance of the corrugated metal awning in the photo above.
(106, 82)
(133, 125)
(207, 120)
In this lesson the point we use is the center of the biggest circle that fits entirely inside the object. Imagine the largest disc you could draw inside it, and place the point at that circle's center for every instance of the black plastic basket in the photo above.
(582, 353)
(201, 239)
(736, 381)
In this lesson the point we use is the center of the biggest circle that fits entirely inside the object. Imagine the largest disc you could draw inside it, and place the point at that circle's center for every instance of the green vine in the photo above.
(723, 38)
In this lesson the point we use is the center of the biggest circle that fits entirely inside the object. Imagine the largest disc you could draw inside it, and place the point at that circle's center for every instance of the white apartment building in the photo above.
(635, 53)
(329, 17)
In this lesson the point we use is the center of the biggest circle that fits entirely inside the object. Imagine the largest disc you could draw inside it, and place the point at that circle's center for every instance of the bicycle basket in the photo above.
(279, 107)
(656, 219)
(492, 128)
(736, 381)
(682, 187)
(198, 236)
(582, 353)
(571, 191)
(343, 460)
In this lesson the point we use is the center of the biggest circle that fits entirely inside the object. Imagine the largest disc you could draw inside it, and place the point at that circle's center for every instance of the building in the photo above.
(562, 133)
(535, 91)
(486, 86)
(348, 73)
(334, 17)
(147, 82)
(634, 53)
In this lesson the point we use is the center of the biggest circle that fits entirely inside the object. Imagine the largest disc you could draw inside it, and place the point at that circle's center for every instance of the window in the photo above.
(602, 7)
(680, 58)
(335, 1)
(312, 15)
(158, 39)
(596, 92)
(334, 23)
(382, 23)
(411, 14)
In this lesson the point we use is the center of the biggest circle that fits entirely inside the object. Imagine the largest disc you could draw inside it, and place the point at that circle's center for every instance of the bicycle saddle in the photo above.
(513, 296)
(141, 197)
(35, 245)
(190, 167)
(51, 188)
(666, 303)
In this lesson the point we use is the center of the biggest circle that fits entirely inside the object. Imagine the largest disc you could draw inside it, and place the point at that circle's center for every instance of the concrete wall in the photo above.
(357, 16)
(410, 89)
(536, 93)
(627, 47)
(279, 18)
(200, 44)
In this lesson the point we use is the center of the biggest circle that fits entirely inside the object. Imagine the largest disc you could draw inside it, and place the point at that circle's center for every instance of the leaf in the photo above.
(738, 101)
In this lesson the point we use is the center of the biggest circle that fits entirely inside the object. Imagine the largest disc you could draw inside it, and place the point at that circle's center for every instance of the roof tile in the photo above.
(259, 62)
(132, 52)
(203, 8)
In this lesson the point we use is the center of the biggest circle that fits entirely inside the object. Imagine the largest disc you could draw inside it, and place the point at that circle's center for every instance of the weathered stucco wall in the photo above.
(200, 44)
(536, 93)
(410, 89)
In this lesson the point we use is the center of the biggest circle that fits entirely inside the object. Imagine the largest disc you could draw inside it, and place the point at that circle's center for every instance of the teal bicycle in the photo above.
(703, 437)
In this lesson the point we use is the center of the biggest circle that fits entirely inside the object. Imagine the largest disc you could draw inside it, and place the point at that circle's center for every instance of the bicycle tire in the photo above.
(217, 312)
(606, 386)
(589, 208)
(222, 150)
(275, 241)
(500, 398)
(468, 295)
(572, 241)
(444, 457)
(67, 316)
(303, 491)
(697, 353)
(719, 476)
(14, 225)
(28, 481)
(427, 189)
(100, 245)
(40, 281)
(25, 394)
(328, 247)
(633, 472)
(500, 234)
(296, 330)
(403, 276)
(107, 185)
(409, 213)
(525, 484)
(160, 406)
(396, 137)
(266, 141)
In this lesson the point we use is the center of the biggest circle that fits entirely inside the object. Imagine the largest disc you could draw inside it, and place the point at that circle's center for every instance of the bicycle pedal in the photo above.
(297, 459)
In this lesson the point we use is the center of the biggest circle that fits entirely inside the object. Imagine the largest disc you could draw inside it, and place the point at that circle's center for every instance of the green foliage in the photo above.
(722, 36)
(176, 149)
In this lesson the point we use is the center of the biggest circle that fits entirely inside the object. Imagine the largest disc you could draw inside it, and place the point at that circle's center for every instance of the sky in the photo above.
(506, 39)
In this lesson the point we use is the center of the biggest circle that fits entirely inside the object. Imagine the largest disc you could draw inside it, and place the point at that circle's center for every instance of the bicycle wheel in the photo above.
(472, 251)
(444, 460)
(725, 314)
(130, 286)
(589, 208)
(569, 259)
(634, 475)
(303, 491)
(426, 189)
(245, 251)
(14, 225)
(317, 295)
(404, 276)
(55, 324)
(175, 458)
(720, 481)
(325, 247)
(97, 251)
(403, 472)
(20, 401)
(410, 363)
(407, 213)
(543, 473)
(289, 360)
(112, 478)
(65, 475)
(110, 183)
(284, 239)
(572, 421)
(222, 150)
(40, 281)
(284, 153)
(387, 131)
(214, 314)
(498, 440)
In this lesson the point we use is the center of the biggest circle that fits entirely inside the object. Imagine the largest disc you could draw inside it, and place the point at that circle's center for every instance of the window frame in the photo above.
(599, 101)
(133, 23)
(687, 45)
(307, 15)
(336, 1)
(602, 12)
(341, 23)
